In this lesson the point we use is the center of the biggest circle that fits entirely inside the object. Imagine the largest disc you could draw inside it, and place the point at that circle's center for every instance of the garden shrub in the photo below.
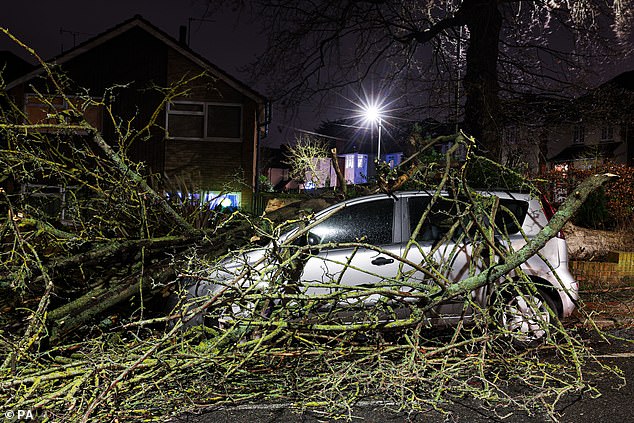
(609, 208)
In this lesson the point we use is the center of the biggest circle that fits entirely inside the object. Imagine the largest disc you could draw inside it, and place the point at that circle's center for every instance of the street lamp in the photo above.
(374, 114)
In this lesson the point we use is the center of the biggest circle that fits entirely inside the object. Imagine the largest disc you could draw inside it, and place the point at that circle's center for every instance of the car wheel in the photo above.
(527, 316)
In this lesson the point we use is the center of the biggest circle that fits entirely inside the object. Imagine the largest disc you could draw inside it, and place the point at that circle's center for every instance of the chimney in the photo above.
(182, 35)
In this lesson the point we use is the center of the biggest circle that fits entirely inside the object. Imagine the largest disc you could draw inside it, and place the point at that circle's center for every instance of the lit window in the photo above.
(349, 161)
(209, 199)
(211, 121)
(394, 159)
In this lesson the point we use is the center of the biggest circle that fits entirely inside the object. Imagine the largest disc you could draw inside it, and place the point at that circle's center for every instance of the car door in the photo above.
(333, 266)
(433, 248)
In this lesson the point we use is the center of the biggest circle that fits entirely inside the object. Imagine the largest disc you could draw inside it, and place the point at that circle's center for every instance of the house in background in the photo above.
(601, 127)
(206, 137)
(357, 148)
(598, 126)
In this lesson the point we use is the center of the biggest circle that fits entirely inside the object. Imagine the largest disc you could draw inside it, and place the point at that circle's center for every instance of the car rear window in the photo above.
(510, 215)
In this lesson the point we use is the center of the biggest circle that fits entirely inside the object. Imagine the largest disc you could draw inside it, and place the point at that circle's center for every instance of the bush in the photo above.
(611, 207)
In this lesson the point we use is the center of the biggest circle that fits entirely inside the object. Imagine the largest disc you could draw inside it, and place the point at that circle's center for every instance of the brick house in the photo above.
(205, 138)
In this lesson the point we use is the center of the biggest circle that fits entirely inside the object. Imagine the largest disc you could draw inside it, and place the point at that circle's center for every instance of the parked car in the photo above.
(404, 243)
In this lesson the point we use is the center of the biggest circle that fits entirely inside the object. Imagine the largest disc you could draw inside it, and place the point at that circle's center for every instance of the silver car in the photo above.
(409, 243)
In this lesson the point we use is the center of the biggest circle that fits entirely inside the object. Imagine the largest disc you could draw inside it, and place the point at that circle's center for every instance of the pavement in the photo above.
(609, 308)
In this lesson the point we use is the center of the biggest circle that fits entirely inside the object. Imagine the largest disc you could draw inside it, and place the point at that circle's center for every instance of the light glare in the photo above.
(372, 113)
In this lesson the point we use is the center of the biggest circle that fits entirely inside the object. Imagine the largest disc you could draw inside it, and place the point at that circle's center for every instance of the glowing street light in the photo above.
(373, 113)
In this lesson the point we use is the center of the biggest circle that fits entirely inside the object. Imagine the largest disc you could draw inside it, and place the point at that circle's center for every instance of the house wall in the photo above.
(134, 61)
(138, 63)
(324, 174)
(562, 136)
(210, 164)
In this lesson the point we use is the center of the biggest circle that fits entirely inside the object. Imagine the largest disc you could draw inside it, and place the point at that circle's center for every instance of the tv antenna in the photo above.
(74, 34)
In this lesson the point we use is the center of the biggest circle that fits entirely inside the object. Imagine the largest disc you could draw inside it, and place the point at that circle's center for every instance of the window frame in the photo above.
(607, 133)
(394, 234)
(579, 134)
(205, 115)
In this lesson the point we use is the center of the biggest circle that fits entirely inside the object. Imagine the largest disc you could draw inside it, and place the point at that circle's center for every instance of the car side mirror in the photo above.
(312, 239)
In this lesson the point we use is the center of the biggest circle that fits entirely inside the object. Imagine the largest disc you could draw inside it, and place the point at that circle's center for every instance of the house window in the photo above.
(224, 121)
(356, 168)
(55, 110)
(207, 121)
(578, 134)
(394, 159)
(607, 133)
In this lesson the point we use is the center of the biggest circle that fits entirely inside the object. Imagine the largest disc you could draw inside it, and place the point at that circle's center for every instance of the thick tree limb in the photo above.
(563, 215)
(72, 316)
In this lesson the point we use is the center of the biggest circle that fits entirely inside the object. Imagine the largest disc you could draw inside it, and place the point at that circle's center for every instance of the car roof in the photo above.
(423, 193)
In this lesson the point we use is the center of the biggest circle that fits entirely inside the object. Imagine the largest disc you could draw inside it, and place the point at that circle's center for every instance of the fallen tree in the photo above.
(81, 340)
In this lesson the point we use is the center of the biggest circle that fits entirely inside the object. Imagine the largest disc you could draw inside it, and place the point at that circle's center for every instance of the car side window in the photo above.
(443, 214)
(369, 222)
(439, 220)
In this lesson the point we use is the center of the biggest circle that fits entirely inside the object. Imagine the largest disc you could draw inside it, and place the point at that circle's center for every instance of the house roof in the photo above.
(12, 66)
(139, 22)
(624, 80)
(611, 100)
(585, 151)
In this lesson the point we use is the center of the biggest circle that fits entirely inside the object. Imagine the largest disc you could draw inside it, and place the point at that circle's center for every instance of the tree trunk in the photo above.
(341, 180)
(484, 21)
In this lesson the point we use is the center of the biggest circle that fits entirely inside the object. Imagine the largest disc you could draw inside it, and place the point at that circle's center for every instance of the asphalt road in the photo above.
(616, 404)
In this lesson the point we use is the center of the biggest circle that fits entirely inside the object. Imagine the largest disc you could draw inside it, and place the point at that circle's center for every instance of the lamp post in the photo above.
(373, 114)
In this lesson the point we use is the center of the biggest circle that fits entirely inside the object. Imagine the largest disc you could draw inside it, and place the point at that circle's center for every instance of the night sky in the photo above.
(38, 24)
(229, 43)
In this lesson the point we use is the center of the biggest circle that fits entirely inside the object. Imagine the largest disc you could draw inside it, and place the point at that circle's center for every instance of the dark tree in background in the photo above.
(452, 59)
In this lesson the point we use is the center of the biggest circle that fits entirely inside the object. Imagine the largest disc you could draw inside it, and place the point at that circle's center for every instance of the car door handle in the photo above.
(382, 261)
